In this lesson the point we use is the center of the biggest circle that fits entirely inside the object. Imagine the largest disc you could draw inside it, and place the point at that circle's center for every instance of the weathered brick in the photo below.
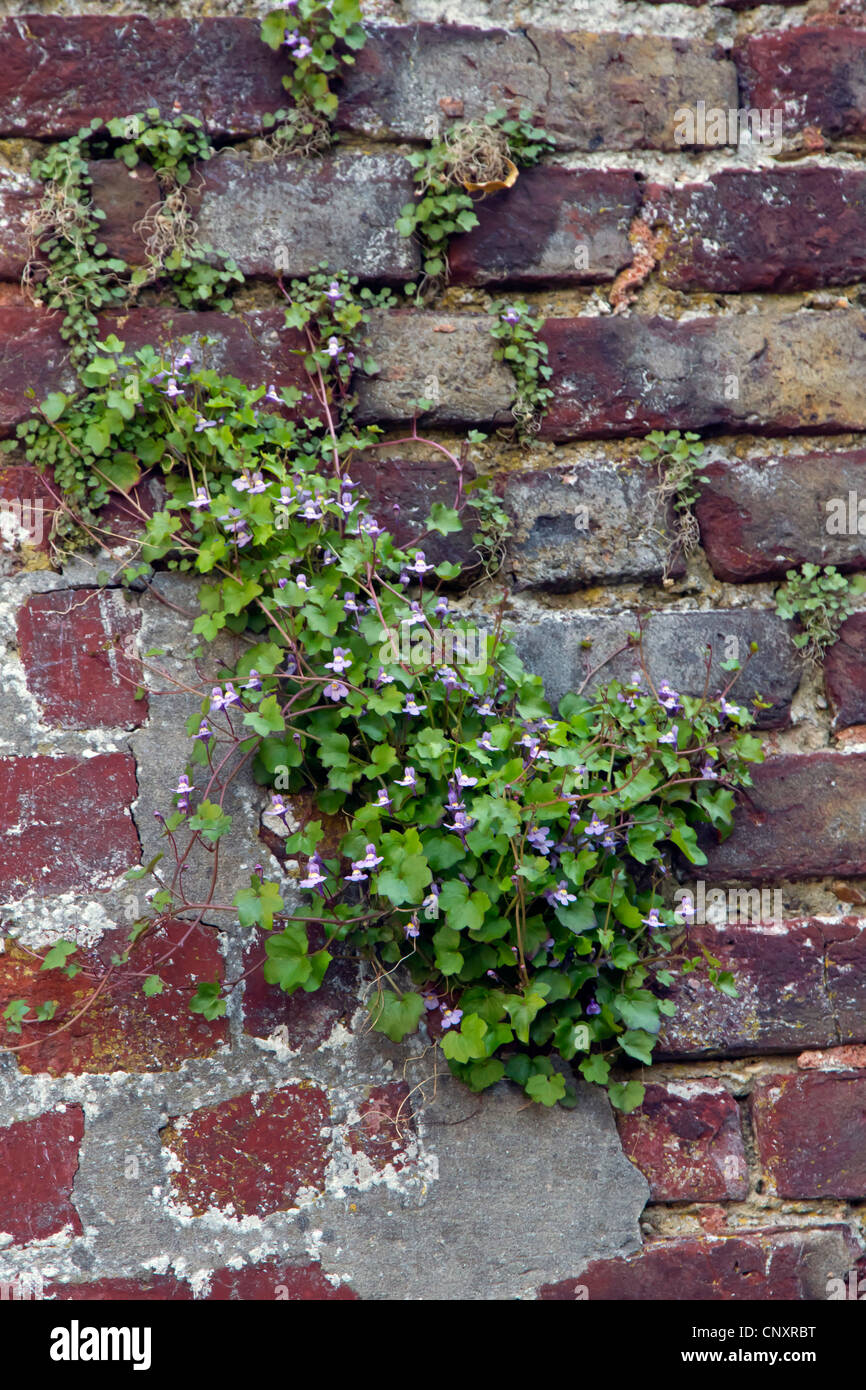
(401, 493)
(591, 91)
(79, 653)
(18, 194)
(769, 372)
(786, 983)
(305, 1020)
(675, 650)
(126, 196)
(554, 224)
(385, 1125)
(448, 359)
(804, 817)
(687, 1141)
(809, 1133)
(148, 1288)
(814, 74)
(66, 822)
(253, 346)
(768, 229)
(761, 516)
(845, 672)
(58, 70)
(251, 1155)
(274, 1280)
(761, 1266)
(592, 522)
(341, 209)
(38, 1163)
(123, 1030)
(27, 506)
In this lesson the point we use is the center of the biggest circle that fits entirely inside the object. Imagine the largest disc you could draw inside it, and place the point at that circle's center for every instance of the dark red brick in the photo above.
(385, 1127)
(759, 517)
(628, 375)
(59, 72)
(123, 1030)
(786, 990)
(253, 346)
(251, 1155)
(149, 1288)
(79, 653)
(804, 817)
(401, 493)
(554, 224)
(275, 1281)
(66, 822)
(815, 74)
(38, 1163)
(768, 229)
(687, 1141)
(18, 197)
(845, 672)
(809, 1133)
(762, 1266)
(27, 507)
(126, 196)
(307, 1018)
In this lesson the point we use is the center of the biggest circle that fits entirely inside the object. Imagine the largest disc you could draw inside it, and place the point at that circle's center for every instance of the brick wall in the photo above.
(281, 1152)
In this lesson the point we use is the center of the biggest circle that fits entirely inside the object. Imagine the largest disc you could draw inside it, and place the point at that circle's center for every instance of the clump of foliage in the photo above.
(677, 458)
(467, 157)
(820, 599)
(319, 38)
(500, 868)
(516, 330)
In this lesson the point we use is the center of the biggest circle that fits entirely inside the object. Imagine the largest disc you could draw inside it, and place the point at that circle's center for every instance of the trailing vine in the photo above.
(820, 600)
(499, 869)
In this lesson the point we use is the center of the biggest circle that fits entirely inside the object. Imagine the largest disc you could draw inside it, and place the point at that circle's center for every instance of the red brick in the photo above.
(401, 493)
(386, 1126)
(66, 822)
(17, 199)
(79, 652)
(762, 1266)
(785, 984)
(275, 1281)
(804, 817)
(147, 1289)
(627, 375)
(768, 229)
(809, 1133)
(759, 517)
(845, 672)
(30, 504)
(58, 71)
(123, 1030)
(815, 74)
(307, 1018)
(534, 232)
(251, 1155)
(686, 1140)
(38, 1162)
(253, 346)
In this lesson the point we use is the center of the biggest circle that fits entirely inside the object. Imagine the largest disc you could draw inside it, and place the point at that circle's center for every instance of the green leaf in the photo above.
(152, 985)
(56, 958)
(468, 1043)
(546, 1089)
(395, 1015)
(207, 1001)
(626, 1095)
(257, 905)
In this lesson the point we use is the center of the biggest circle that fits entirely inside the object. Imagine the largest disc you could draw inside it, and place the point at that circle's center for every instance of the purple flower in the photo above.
(511, 315)
(668, 697)
(383, 678)
(411, 707)
(539, 838)
(341, 662)
(560, 896)
(312, 511)
(441, 607)
(370, 861)
(254, 680)
(277, 807)
(461, 823)
(205, 733)
(419, 565)
(411, 929)
(708, 770)
(593, 1008)
(727, 709)
(304, 49)
(408, 779)
(485, 741)
(333, 349)
(335, 690)
(201, 501)
(315, 877)
(383, 799)
(290, 39)
(451, 1017)
(369, 526)
(222, 699)
(202, 424)
(172, 390)
(462, 780)
(430, 1002)
(272, 395)
(301, 581)
(349, 604)
(347, 503)
(183, 787)
(653, 920)
(670, 736)
(334, 292)
(596, 826)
